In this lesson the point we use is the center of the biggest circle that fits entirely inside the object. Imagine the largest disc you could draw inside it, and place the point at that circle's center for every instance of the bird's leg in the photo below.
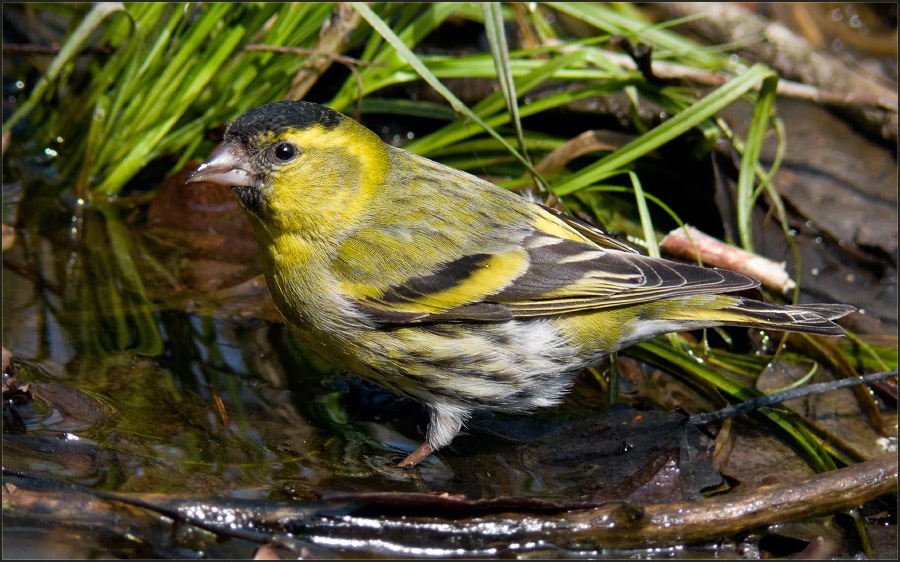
(420, 453)
(445, 422)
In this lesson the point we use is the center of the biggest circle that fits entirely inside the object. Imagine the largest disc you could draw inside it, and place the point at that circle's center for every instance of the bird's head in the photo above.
(297, 165)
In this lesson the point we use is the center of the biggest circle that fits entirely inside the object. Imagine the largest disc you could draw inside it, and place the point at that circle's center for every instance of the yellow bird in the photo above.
(445, 288)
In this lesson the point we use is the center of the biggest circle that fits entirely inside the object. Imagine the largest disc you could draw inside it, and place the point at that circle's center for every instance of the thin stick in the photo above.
(298, 51)
(784, 395)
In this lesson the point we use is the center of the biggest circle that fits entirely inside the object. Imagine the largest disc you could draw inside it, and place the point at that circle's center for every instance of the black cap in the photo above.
(277, 116)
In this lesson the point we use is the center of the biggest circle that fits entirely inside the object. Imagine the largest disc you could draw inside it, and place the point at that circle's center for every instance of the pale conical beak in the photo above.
(227, 167)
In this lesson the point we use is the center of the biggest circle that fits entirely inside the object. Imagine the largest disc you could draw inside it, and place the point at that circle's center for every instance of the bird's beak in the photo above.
(225, 167)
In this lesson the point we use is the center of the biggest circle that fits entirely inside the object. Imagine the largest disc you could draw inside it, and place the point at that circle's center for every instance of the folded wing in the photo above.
(543, 276)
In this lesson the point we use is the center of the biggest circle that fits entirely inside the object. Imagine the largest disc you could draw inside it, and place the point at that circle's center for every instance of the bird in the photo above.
(445, 288)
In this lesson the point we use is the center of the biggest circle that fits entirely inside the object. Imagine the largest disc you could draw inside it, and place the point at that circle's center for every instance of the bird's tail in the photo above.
(807, 318)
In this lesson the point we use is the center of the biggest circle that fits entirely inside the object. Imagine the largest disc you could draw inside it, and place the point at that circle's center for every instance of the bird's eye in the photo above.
(285, 152)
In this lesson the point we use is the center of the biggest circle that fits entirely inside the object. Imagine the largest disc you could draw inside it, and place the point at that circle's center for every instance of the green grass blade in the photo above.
(489, 106)
(493, 24)
(69, 49)
(656, 352)
(411, 59)
(613, 22)
(396, 67)
(750, 159)
(646, 222)
(677, 125)
(148, 337)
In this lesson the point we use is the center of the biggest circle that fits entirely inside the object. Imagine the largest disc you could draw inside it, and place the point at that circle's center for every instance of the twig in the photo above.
(793, 57)
(671, 71)
(613, 526)
(299, 51)
(688, 242)
(784, 395)
(631, 525)
(254, 536)
(332, 41)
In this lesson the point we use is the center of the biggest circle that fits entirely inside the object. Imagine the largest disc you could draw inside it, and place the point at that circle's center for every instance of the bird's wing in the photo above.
(544, 275)
(590, 231)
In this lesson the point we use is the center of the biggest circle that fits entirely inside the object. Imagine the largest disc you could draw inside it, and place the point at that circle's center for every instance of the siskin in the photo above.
(445, 288)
